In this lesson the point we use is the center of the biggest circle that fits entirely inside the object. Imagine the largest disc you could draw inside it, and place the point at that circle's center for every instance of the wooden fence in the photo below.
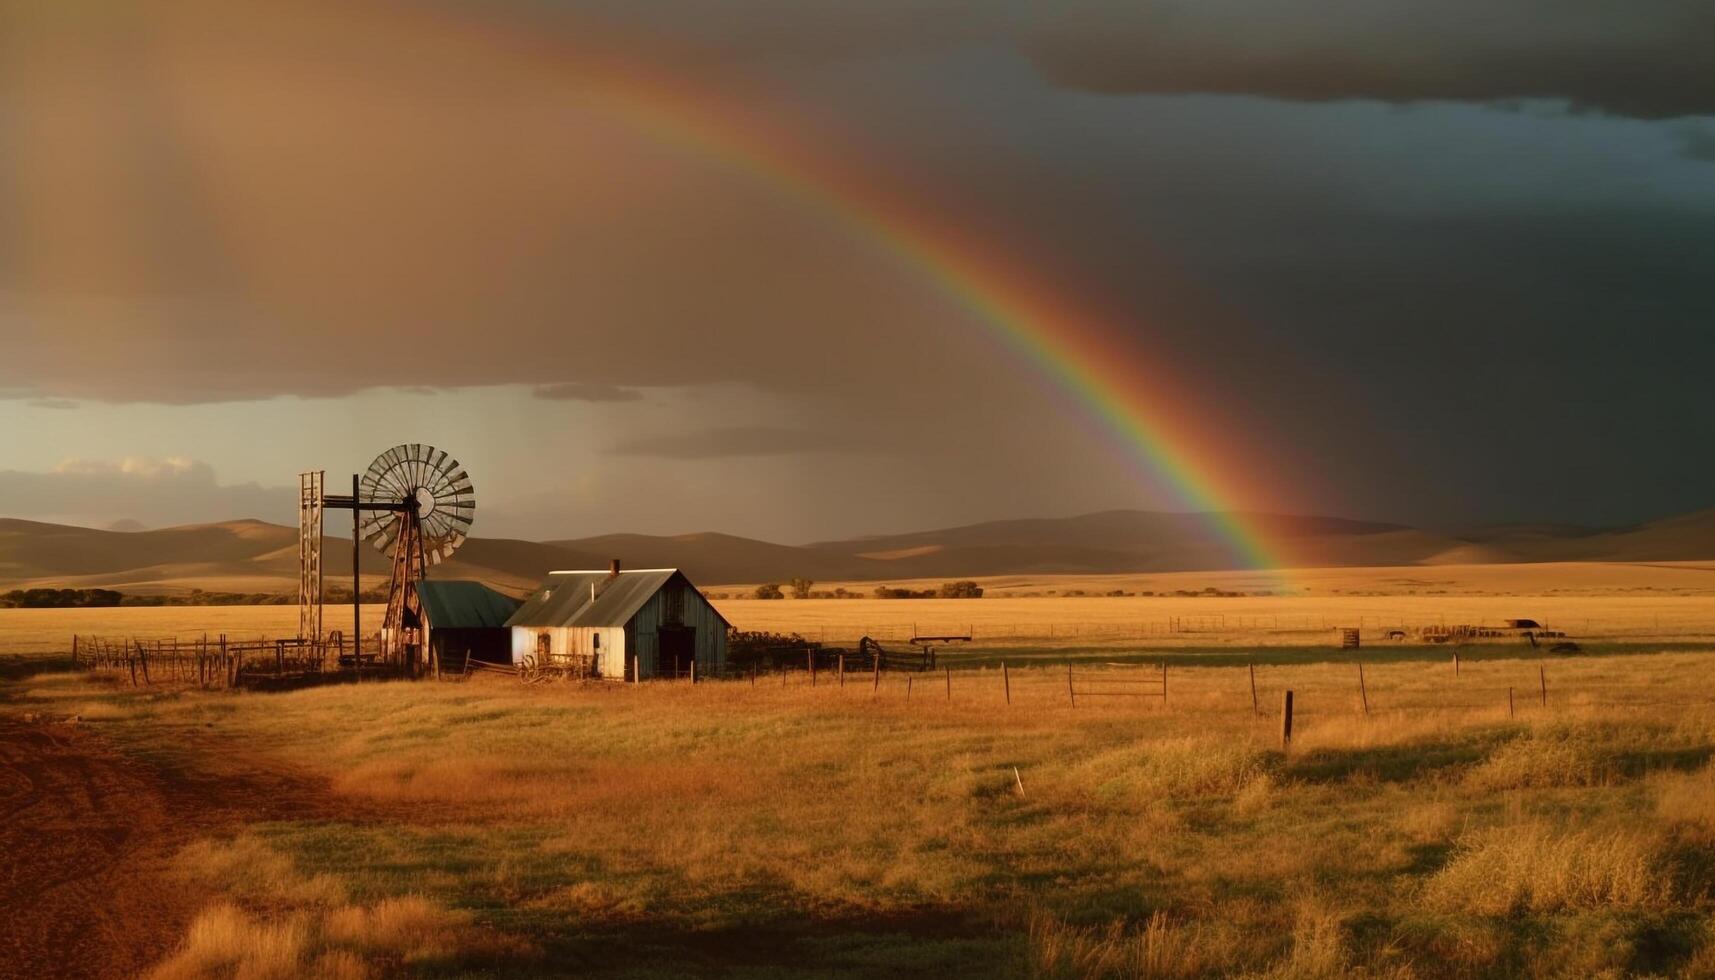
(1115, 681)
(216, 662)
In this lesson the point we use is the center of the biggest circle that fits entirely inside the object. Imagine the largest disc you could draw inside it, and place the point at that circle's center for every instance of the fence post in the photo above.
(908, 688)
(876, 686)
(1006, 682)
(1286, 720)
(1455, 662)
(1071, 694)
(1363, 693)
(1255, 709)
(841, 667)
(693, 669)
(1542, 679)
(949, 683)
(144, 656)
(1509, 702)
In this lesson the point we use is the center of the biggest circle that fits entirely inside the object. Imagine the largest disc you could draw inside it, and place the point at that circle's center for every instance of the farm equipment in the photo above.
(871, 655)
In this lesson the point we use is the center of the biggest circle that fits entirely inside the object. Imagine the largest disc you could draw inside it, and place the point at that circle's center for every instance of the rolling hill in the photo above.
(255, 556)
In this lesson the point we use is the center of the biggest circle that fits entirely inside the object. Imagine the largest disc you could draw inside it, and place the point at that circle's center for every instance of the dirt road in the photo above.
(87, 837)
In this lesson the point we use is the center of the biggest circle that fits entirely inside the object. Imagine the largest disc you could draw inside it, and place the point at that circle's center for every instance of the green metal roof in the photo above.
(464, 605)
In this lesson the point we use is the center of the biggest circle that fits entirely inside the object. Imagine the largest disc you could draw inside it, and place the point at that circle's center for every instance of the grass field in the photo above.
(625, 831)
(1425, 824)
(1058, 626)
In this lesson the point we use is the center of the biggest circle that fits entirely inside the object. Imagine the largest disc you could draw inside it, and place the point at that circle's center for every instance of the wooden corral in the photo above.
(214, 662)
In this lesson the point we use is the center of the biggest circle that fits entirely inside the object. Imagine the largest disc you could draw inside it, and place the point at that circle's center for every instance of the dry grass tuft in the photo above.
(1178, 769)
(592, 901)
(247, 867)
(1160, 949)
(224, 941)
(1687, 803)
(345, 943)
(1533, 867)
(1545, 758)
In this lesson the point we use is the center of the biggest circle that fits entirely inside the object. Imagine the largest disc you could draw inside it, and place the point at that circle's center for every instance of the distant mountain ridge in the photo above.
(255, 556)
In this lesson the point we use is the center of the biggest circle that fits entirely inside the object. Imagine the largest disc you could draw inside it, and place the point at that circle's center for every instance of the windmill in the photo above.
(414, 504)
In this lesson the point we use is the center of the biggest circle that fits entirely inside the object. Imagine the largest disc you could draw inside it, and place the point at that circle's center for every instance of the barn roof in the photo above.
(464, 605)
(564, 599)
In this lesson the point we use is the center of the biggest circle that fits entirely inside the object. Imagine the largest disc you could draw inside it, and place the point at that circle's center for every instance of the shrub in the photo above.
(889, 592)
(769, 590)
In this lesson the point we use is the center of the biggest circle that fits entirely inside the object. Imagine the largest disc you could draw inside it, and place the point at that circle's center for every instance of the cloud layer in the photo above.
(1647, 59)
(154, 492)
(748, 440)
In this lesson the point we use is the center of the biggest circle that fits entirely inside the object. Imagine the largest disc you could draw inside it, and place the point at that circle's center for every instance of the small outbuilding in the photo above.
(621, 625)
(460, 618)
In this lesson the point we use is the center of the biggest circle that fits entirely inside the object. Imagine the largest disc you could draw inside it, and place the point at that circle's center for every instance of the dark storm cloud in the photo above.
(1697, 142)
(279, 199)
(751, 440)
(1648, 58)
(577, 391)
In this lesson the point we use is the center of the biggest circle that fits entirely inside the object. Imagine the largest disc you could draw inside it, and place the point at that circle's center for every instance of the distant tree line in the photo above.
(99, 598)
(200, 597)
(59, 598)
(803, 588)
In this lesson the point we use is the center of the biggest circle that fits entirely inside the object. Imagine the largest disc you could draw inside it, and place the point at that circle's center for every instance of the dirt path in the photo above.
(87, 837)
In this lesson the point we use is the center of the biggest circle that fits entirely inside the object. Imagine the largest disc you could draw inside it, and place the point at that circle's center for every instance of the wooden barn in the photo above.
(458, 618)
(622, 625)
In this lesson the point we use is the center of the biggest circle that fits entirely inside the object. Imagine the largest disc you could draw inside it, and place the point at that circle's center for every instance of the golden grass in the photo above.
(39, 631)
(1160, 949)
(344, 943)
(1534, 867)
(280, 923)
(1662, 601)
(621, 826)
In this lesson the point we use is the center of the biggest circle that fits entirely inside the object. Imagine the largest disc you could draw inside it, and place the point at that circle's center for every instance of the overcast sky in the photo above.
(1437, 261)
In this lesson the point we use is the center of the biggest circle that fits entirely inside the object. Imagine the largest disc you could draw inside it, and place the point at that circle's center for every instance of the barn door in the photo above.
(678, 647)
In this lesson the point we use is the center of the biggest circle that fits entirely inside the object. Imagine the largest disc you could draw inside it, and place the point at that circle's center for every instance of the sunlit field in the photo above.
(1057, 626)
(1519, 812)
(504, 829)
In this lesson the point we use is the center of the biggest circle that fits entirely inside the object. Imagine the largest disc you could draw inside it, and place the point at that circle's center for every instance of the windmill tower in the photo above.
(414, 504)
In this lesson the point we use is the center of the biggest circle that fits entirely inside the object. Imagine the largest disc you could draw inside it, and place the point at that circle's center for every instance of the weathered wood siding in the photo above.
(689, 609)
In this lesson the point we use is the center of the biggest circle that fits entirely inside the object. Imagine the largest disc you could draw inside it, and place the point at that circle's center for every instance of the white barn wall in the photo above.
(565, 641)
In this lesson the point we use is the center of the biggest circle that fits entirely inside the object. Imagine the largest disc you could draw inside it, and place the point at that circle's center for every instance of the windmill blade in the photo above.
(419, 474)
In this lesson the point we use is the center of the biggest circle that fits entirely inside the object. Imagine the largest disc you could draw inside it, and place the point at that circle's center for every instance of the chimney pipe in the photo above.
(613, 568)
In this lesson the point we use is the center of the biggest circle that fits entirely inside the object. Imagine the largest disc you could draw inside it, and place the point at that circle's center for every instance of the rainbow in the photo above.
(1068, 346)
(1133, 400)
